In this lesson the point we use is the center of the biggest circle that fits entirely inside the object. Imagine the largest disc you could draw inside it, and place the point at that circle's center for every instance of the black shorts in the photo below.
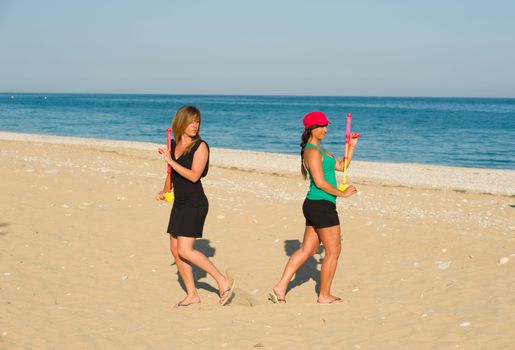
(188, 220)
(320, 213)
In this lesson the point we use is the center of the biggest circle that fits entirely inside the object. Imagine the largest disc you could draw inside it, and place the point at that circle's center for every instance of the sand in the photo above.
(428, 258)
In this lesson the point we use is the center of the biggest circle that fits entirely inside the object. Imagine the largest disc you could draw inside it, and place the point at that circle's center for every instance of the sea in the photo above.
(463, 132)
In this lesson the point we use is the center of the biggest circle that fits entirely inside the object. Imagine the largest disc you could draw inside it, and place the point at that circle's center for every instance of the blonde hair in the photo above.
(184, 117)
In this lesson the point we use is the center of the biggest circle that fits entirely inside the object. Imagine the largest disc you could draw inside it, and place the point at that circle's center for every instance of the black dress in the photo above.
(190, 205)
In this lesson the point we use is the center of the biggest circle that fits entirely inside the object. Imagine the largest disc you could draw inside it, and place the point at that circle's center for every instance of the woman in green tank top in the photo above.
(319, 208)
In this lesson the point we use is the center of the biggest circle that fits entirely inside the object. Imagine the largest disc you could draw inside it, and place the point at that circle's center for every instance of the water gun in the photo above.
(348, 136)
(168, 188)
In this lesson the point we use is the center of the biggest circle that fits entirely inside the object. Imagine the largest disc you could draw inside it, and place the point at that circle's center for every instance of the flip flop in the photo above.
(229, 291)
(332, 302)
(275, 298)
(180, 304)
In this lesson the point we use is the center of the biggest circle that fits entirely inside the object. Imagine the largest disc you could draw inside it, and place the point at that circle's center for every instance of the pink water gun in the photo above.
(348, 136)
(168, 190)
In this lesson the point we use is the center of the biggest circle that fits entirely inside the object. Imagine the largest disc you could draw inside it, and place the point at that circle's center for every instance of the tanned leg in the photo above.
(308, 248)
(331, 239)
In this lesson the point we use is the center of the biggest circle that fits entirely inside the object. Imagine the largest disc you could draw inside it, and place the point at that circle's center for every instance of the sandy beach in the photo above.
(428, 258)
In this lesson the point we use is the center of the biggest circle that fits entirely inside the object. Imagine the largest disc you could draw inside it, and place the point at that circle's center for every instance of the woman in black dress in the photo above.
(190, 161)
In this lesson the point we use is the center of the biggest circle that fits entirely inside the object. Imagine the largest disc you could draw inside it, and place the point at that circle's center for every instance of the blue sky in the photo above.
(345, 48)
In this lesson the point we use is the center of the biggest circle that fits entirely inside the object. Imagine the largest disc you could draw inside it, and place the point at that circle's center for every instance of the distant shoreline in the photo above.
(491, 181)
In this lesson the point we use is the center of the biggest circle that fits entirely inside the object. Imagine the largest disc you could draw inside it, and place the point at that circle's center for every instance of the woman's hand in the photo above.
(166, 155)
(354, 139)
(349, 191)
(160, 195)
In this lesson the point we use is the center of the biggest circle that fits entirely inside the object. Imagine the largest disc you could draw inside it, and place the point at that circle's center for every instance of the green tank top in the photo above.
(328, 164)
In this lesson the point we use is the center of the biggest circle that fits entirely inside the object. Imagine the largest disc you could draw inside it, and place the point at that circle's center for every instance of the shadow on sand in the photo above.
(3, 228)
(309, 270)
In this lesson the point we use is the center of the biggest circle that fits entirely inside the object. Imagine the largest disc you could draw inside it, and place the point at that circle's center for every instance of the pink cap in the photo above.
(315, 118)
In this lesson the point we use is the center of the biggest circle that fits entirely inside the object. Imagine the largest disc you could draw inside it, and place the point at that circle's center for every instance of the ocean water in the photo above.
(466, 132)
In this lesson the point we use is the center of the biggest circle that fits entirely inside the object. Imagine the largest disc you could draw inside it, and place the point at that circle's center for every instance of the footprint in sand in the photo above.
(243, 298)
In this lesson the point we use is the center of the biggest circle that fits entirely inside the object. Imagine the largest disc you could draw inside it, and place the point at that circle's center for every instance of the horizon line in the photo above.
(246, 95)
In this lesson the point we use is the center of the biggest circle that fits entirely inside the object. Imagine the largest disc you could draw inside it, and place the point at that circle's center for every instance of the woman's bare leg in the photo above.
(309, 247)
(330, 237)
(186, 271)
(187, 252)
